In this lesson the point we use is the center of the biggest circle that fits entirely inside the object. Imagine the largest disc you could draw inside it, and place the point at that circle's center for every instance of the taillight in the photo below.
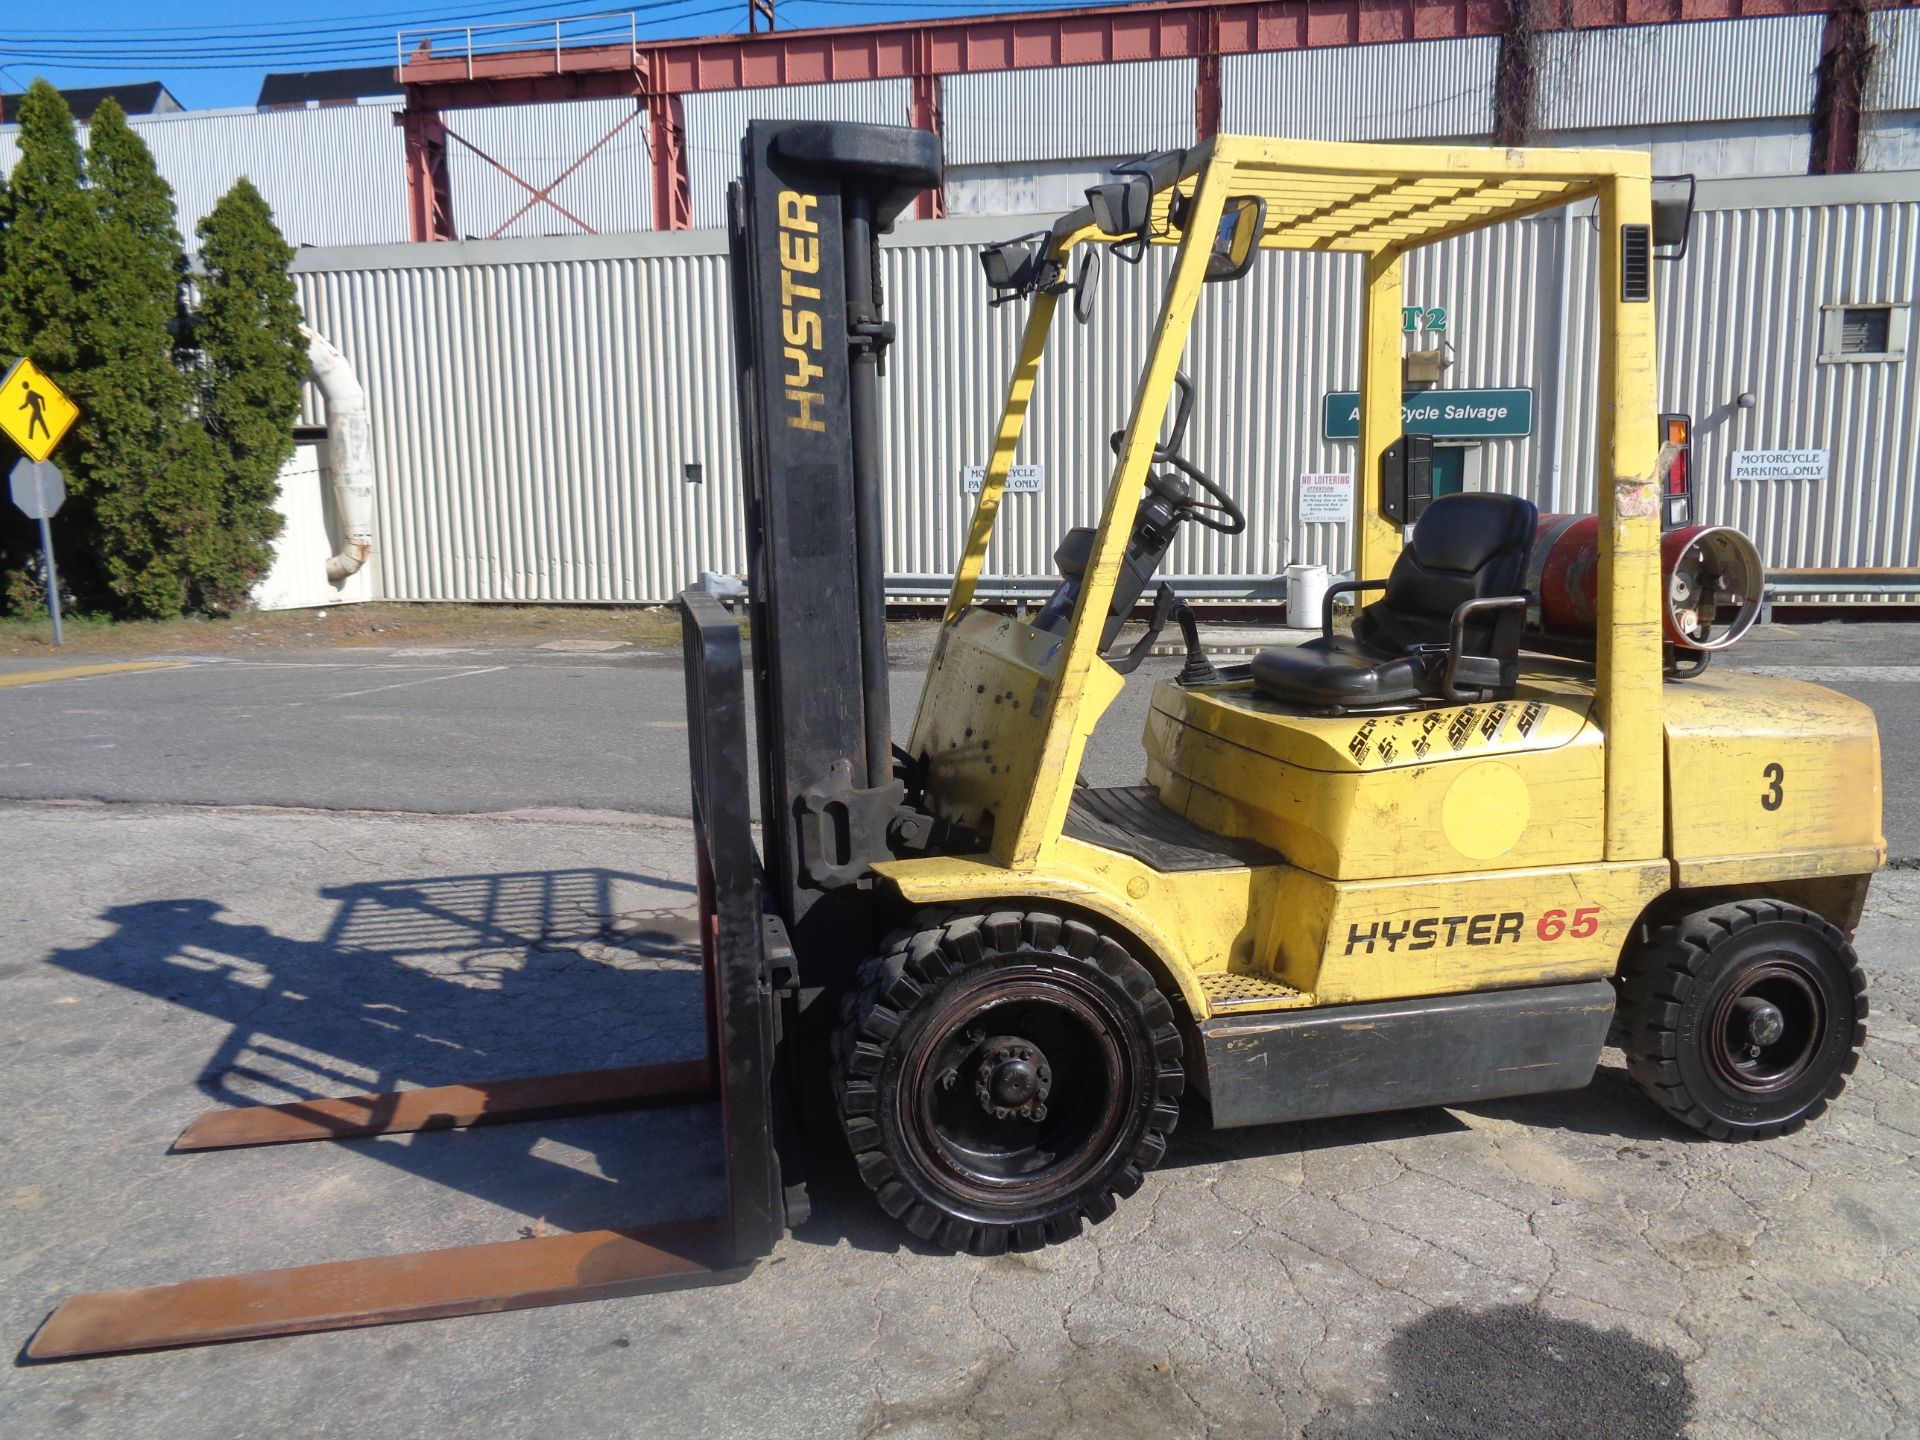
(1676, 445)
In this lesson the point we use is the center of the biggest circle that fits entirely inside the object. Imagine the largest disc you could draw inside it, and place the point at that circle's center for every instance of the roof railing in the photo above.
(524, 37)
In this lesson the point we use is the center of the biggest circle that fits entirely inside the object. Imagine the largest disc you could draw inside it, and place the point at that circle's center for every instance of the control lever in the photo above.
(1163, 602)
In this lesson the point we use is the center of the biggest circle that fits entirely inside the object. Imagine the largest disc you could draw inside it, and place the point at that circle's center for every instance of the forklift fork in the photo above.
(743, 948)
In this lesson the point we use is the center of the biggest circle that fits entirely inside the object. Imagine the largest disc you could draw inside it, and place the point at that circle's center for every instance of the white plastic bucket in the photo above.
(1306, 593)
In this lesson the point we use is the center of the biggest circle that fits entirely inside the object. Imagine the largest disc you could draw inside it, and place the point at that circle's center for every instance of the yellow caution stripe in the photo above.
(80, 672)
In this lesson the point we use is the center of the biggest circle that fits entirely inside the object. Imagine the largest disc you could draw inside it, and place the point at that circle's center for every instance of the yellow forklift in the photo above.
(1429, 861)
(1420, 863)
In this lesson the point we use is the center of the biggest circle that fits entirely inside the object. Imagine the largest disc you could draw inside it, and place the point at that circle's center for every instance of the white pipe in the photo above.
(349, 451)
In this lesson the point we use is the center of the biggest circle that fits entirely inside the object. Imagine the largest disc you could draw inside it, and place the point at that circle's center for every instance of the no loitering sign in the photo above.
(1325, 499)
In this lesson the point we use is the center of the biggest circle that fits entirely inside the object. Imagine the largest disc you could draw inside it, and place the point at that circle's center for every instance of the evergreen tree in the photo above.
(48, 267)
(143, 455)
(248, 331)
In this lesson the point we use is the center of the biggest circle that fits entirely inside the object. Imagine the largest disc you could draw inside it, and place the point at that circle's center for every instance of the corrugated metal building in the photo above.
(1717, 98)
(554, 418)
(335, 176)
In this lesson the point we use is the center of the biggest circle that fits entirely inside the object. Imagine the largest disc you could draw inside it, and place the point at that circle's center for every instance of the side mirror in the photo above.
(1238, 239)
(1672, 214)
(1086, 282)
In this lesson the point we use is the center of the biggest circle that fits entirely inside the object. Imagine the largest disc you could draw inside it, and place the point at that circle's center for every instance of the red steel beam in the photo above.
(429, 185)
(659, 73)
(977, 44)
(667, 146)
(930, 204)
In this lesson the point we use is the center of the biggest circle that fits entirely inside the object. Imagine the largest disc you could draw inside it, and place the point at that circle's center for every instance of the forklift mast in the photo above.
(810, 337)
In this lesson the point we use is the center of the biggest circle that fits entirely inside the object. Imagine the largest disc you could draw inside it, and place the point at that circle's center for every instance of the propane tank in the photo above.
(1711, 574)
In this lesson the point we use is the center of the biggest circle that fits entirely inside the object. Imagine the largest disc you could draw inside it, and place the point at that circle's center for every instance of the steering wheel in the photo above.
(1167, 453)
(1223, 515)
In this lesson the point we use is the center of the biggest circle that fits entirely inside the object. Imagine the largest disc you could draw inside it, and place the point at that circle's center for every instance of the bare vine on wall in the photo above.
(1847, 58)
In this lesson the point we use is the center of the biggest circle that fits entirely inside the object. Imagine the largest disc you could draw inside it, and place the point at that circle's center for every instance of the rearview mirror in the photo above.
(1086, 281)
(1673, 197)
(1238, 239)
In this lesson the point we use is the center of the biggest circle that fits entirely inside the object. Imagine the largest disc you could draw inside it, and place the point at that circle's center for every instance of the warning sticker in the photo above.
(1326, 499)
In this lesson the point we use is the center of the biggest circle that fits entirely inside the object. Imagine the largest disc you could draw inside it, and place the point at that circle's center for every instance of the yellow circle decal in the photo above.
(1486, 811)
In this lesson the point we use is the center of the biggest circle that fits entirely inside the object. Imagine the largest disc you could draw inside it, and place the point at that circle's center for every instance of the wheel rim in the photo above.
(1766, 1027)
(1014, 1094)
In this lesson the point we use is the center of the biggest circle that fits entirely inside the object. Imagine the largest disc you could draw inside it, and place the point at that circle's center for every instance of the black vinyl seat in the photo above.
(1448, 627)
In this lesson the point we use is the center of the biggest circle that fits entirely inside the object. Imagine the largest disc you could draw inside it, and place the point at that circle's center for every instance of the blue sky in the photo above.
(213, 53)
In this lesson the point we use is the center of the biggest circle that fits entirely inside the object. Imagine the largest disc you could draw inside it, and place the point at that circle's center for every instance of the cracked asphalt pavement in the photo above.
(1570, 1265)
(1573, 1265)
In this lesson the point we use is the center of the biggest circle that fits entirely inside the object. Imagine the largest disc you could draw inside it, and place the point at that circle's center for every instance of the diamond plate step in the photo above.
(1240, 990)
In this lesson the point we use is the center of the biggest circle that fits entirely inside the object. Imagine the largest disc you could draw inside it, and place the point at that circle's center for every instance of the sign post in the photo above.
(39, 489)
(36, 415)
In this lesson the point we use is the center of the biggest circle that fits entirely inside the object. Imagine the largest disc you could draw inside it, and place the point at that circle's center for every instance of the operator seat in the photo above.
(1417, 642)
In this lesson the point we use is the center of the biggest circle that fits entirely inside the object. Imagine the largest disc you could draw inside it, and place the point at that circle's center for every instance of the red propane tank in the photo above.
(1712, 576)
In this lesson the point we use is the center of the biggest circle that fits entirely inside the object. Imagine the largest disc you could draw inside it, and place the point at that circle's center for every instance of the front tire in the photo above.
(1004, 1078)
(1744, 1020)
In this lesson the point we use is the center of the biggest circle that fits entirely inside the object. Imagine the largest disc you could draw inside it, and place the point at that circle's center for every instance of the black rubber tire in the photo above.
(911, 1006)
(1677, 990)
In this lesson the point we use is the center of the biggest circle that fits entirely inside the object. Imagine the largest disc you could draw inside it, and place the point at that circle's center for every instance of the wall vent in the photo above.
(1863, 332)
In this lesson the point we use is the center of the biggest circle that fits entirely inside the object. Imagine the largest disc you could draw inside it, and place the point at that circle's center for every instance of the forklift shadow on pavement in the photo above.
(419, 982)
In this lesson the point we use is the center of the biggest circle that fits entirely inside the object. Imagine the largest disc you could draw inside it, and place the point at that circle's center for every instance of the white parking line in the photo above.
(401, 685)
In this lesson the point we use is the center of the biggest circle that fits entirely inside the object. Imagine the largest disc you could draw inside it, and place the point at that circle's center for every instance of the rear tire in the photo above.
(1743, 1020)
(1003, 1079)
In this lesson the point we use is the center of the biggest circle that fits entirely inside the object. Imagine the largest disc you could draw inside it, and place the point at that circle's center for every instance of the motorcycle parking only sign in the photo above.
(1780, 464)
(1021, 479)
(1326, 499)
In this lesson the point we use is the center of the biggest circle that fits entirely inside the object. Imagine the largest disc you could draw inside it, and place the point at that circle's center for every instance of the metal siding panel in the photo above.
(1493, 287)
(532, 417)
(1400, 90)
(716, 122)
(1767, 342)
(1708, 149)
(530, 422)
(334, 176)
(1071, 112)
(610, 191)
(1896, 75)
(1672, 73)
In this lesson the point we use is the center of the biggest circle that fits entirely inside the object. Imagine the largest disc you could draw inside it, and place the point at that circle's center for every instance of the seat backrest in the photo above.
(1464, 547)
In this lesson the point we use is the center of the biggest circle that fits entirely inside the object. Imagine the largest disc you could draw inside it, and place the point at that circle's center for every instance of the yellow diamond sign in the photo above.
(34, 412)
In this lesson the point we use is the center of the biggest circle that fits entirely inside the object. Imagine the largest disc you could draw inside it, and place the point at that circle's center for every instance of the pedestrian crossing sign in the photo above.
(35, 413)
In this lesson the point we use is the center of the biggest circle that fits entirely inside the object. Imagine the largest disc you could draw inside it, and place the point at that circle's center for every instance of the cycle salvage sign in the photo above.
(1448, 414)
(1780, 464)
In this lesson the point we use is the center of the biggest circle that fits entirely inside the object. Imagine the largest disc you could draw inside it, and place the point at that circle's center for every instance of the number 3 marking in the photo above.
(1774, 796)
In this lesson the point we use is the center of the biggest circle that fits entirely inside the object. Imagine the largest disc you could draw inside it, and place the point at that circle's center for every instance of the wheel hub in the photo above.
(1765, 1024)
(1767, 1027)
(1012, 1079)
